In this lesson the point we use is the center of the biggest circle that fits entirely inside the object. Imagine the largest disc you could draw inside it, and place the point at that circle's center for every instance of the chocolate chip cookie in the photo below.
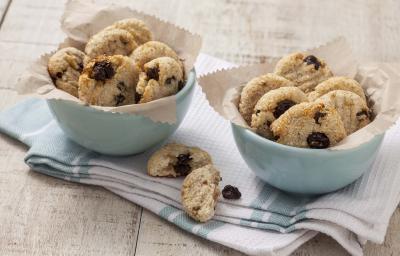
(152, 50)
(352, 108)
(174, 160)
(109, 81)
(337, 83)
(110, 42)
(305, 70)
(161, 77)
(65, 67)
(272, 105)
(200, 192)
(255, 89)
(137, 28)
(309, 125)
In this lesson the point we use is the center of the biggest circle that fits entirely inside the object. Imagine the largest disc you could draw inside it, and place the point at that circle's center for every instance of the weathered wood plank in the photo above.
(158, 237)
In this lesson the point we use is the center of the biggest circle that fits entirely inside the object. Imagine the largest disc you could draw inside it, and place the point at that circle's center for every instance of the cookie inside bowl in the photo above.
(119, 133)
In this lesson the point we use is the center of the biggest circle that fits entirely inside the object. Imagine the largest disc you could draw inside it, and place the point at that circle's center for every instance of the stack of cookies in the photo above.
(303, 104)
(120, 65)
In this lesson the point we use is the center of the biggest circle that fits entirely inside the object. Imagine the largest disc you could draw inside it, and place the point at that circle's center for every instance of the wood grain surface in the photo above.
(40, 215)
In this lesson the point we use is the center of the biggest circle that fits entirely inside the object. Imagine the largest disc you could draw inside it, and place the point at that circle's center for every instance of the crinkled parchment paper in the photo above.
(381, 83)
(80, 21)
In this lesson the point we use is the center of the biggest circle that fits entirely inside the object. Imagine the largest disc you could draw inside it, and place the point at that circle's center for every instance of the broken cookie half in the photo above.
(174, 160)
(200, 192)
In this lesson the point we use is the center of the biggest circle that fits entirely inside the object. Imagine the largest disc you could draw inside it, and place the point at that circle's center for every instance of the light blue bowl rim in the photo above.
(190, 82)
(323, 152)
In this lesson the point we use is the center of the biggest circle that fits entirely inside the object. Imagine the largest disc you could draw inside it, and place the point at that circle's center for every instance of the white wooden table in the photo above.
(40, 215)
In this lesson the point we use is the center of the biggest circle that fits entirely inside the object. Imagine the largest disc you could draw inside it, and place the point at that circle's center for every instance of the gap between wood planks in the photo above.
(3, 17)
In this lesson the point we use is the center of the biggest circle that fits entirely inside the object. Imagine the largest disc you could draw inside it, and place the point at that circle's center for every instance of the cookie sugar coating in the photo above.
(161, 77)
(174, 160)
(255, 89)
(200, 192)
(137, 28)
(309, 125)
(272, 105)
(337, 83)
(109, 81)
(152, 50)
(352, 108)
(65, 67)
(110, 42)
(305, 70)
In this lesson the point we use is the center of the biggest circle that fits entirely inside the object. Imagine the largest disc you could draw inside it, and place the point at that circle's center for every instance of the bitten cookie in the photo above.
(272, 105)
(200, 192)
(256, 88)
(137, 28)
(174, 160)
(309, 125)
(65, 67)
(337, 83)
(352, 108)
(305, 70)
(161, 77)
(110, 42)
(152, 50)
(109, 81)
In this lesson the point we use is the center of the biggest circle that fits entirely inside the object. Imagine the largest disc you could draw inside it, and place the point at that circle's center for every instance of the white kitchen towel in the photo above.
(264, 221)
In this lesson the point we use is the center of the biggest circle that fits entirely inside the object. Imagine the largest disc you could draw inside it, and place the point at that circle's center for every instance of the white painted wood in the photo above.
(40, 215)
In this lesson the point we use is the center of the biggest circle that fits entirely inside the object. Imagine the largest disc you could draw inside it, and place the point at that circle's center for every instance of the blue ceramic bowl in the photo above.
(117, 133)
(300, 170)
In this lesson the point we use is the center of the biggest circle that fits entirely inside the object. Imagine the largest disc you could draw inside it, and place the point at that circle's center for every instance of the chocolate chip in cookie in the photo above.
(362, 114)
(137, 97)
(282, 107)
(102, 71)
(119, 99)
(317, 116)
(312, 60)
(181, 84)
(169, 80)
(318, 140)
(152, 73)
(182, 166)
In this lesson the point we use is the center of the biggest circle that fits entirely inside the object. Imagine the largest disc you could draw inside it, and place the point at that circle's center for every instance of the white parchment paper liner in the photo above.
(83, 19)
(380, 81)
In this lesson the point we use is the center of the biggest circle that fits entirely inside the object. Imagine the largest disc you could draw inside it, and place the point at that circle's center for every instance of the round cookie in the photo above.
(174, 160)
(272, 105)
(110, 42)
(200, 192)
(161, 77)
(109, 81)
(152, 50)
(65, 67)
(137, 28)
(306, 71)
(337, 83)
(309, 125)
(255, 89)
(352, 108)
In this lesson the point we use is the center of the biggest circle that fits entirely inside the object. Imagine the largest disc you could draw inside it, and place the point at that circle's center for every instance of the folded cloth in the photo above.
(265, 221)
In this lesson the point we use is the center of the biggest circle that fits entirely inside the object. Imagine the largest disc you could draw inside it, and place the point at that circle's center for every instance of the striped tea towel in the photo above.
(265, 221)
